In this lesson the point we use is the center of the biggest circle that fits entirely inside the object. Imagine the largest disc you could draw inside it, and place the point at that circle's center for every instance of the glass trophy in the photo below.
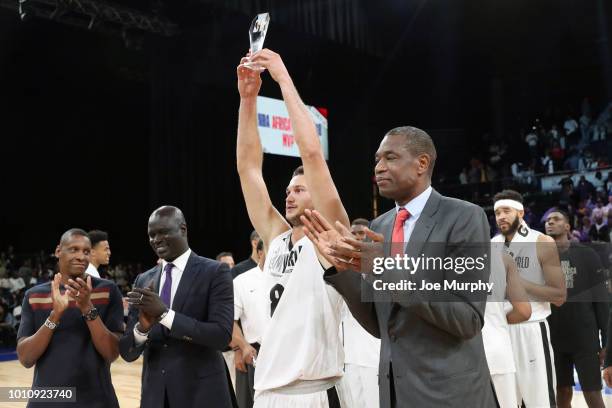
(257, 35)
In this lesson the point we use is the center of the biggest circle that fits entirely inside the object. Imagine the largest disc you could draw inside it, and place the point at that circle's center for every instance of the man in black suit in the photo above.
(432, 353)
(191, 298)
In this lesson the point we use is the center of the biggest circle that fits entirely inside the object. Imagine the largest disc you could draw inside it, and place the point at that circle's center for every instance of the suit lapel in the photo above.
(186, 283)
(423, 226)
(386, 227)
(155, 278)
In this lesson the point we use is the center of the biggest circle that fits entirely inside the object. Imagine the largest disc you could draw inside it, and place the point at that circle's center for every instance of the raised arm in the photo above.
(268, 222)
(324, 195)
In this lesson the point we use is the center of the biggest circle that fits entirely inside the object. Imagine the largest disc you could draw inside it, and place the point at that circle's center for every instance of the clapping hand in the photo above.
(60, 301)
(80, 291)
(148, 303)
(338, 246)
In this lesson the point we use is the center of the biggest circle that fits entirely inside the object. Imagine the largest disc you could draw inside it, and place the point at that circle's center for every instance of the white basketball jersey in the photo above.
(495, 332)
(524, 252)
(360, 347)
(300, 349)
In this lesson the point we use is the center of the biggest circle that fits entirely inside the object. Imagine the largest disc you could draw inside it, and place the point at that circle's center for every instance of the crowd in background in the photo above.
(552, 144)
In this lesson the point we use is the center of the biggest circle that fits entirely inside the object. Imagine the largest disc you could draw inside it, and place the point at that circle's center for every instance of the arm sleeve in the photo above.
(128, 348)
(26, 327)
(238, 305)
(113, 319)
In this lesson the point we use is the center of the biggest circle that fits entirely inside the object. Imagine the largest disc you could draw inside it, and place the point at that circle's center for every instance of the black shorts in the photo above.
(587, 367)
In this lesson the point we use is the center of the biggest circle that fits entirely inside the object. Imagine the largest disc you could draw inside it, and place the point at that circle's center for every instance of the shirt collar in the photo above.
(416, 205)
(180, 262)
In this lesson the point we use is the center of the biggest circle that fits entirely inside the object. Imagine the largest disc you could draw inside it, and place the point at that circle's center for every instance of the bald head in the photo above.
(171, 212)
(167, 231)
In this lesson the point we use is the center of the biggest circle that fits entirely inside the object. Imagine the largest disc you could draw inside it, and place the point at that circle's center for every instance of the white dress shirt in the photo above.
(177, 272)
(415, 208)
(92, 270)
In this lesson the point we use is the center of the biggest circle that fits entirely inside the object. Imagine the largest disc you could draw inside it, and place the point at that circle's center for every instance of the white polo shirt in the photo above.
(250, 301)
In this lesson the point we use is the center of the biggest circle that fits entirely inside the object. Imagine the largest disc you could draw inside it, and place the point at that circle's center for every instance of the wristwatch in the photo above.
(48, 323)
(161, 316)
(91, 315)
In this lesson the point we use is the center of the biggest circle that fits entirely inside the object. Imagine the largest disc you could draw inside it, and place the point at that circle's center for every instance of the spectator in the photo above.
(599, 183)
(599, 231)
(474, 174)
(609, 183)
(8, 335)
(25, 272)
(570, 126)
(3, 272)
(547, 163)
(227, 258)
(463, 176)
(572, 161)
(252, 260)
(585, 229)
(585, 188)
(553, 134)
(597, 210)
(557, 155)
(608, 208)
(532, 142)
(587, 162)
(17, 282)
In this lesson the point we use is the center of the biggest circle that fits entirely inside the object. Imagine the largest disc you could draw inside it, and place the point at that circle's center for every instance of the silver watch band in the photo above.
(139, 332)
(49, 324)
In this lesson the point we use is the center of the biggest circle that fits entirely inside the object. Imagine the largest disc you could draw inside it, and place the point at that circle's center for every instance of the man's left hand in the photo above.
(80, 291)
(147, 301)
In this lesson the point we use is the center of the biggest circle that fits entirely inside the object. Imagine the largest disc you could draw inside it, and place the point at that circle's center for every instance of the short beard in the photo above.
(295, 221)
(513, 227)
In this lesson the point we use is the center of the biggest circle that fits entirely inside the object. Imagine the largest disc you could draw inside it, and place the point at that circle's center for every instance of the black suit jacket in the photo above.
(434, 346)
(186, 363)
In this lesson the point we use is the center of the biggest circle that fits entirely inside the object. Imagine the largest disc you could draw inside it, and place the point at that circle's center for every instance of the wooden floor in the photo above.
(126, 379)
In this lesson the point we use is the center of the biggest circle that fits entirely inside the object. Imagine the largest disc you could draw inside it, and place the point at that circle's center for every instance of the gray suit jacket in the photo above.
(431, 350)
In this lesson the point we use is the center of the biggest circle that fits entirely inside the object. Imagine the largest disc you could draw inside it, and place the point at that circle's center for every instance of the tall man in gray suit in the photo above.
(432, 353)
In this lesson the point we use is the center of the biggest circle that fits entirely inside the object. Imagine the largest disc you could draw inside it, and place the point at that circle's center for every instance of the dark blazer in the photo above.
(186, 363)
(431, 350)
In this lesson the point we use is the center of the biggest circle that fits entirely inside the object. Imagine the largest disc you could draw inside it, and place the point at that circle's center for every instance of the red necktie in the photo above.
(397, 239)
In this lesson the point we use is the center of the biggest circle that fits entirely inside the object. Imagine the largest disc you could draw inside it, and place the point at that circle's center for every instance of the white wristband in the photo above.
(139, 332)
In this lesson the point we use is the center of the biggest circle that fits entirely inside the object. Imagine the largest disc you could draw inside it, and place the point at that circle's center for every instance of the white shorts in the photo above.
(505, 388)
(358, 388)
(271, 399)
(535, 367)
